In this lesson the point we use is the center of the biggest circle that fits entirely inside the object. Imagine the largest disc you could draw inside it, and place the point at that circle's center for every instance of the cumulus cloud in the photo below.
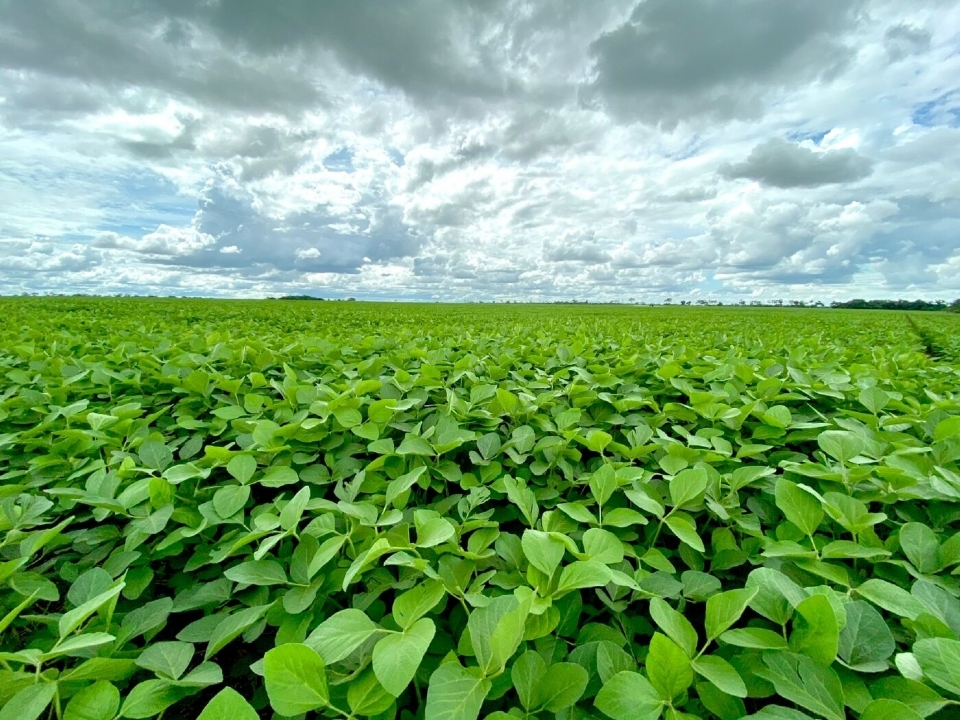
(165, 240)
(579, 248)
(673, 60)
(783, 164)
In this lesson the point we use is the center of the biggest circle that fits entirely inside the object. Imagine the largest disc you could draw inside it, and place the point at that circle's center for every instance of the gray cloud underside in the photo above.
(676, 58)
(783, 164)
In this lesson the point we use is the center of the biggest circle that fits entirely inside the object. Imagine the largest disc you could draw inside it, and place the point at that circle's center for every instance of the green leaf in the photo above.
(668, 667)
(845, 549)
(169, 659)
(417, 602)
(865, 638)
(8, 619)
(366, 696)
(816, 631)
(526, 674)
(79, 642)
(597, 440)
(920, 545)
(265, 432)
(230, 499)
(800, 507)
(542, 551)
(257, 572)
(231, 627)
(279, 476)
(433, 532)
(340, 634)
(488, 445)
(643, 501)
(802, 681)
(348, 417)
(778, 416)
(891, 598)
(778, 712)
(150, 698)
(583, 574)
(143, 619)
(396, 657)
(295, 679)
(100, 669)
(687, 485)
(496, 631)
(398, 487)
(841, 445)
(602, 546)
(455, 693)
(99, 701)
(886, 709)
(777, 595)
(757, 638)
(725, 707)
(380, 547)
(561, 686)
(242, 468)
(414, 445)
(675, 625)
(33, 584)
(629, 696)
(203, 675)
(918, 696)
(73, 619)
(724, 609)
(611, 659)
(683, 526)
(722, 674)
(155, 455)
(939, 659)
(228, 704)
(618, 517)
(176, 474)
(873, 399)
(325, 553)
(603, 483)
(29, 703)
(293, 510)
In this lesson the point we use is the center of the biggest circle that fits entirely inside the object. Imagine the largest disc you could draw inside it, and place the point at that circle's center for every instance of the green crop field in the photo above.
(251, 509)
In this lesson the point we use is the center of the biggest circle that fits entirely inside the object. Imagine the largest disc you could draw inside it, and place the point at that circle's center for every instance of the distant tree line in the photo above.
(898, 305)
(856, 304)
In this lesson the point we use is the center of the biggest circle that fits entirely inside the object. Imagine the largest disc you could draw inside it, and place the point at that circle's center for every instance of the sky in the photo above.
(467, 150)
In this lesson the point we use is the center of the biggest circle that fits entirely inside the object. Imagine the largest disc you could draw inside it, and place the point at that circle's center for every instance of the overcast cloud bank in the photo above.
(481, 149)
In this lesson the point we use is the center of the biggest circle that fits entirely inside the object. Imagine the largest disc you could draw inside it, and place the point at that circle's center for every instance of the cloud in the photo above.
(782, 164)
(903, 40)
(481, 149)
(577, 248)
(125, 45)
(307, 236)
(674, 60)
(164, 241)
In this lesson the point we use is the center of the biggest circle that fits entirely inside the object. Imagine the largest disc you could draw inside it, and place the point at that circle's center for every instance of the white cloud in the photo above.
(311, 253)
(165, 241)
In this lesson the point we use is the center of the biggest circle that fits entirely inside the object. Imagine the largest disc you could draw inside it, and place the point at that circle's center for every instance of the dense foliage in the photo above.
(254, 509)
(926, 305)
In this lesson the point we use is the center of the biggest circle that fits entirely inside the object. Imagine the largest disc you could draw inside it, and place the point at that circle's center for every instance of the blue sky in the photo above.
(494, 150)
